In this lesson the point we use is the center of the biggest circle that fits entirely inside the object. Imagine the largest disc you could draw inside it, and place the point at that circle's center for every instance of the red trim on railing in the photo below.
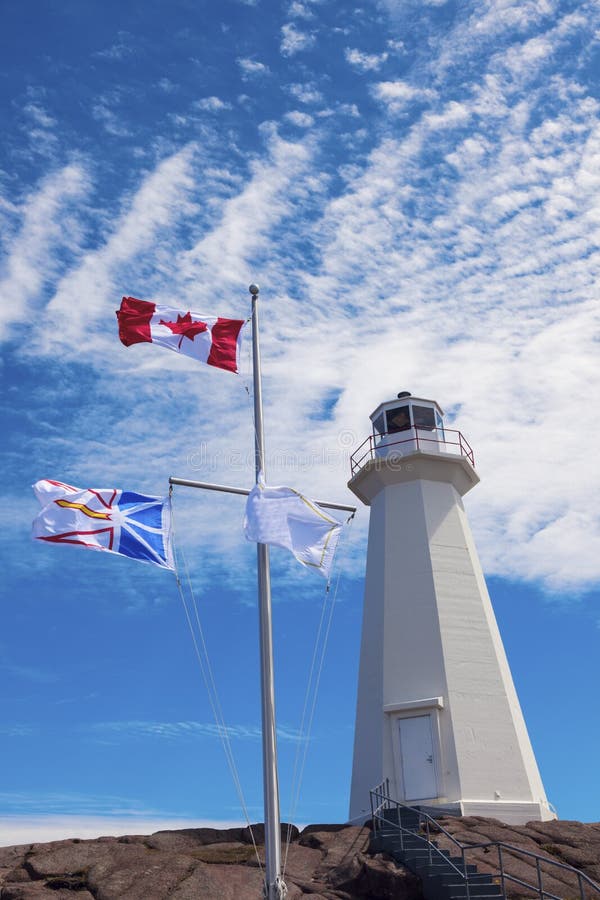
(369, 448)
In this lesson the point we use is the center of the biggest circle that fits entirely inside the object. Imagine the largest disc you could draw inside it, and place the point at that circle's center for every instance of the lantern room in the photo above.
(406, 424)
(410, 427)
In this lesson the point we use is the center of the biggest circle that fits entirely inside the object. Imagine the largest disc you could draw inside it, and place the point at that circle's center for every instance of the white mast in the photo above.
(274, 885)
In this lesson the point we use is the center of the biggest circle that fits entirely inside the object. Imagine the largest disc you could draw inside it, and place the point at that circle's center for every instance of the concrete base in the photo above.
(511, 813)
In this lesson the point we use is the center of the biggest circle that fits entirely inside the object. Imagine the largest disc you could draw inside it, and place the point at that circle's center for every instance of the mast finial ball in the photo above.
(254, 289)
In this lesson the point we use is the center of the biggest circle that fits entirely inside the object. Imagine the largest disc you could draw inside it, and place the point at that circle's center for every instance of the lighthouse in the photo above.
(437, 711)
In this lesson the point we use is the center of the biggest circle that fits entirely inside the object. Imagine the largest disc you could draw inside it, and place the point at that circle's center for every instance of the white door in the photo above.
(416, 754)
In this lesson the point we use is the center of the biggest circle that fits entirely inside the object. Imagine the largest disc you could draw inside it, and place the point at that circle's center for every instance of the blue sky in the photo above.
(415, 185)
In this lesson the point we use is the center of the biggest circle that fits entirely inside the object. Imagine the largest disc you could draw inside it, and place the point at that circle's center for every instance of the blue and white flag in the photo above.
(108, 519)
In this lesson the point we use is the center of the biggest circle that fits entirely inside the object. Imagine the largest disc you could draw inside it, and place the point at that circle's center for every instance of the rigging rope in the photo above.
(313, 687)
(313, 681)
(209, 682)
(316, 664)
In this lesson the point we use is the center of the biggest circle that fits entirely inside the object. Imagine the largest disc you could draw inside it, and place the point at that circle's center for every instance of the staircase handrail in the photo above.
(383, 789)
(502, 845)
(382, 792)
(420, 812)
(432, 849)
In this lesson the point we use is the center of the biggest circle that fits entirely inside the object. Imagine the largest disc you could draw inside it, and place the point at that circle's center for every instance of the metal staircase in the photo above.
(443, 876)
(406, 833)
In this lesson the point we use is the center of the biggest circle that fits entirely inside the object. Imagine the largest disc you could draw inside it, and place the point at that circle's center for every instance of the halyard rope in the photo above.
(313, 683)
(211, 689)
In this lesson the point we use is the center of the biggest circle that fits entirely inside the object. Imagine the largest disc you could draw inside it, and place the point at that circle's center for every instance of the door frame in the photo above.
(410, 710)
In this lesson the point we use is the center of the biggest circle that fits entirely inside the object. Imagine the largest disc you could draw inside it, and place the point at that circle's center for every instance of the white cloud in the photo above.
(251, 67)
(501, 15)
(212, 104)
(397, 95)
(500, 217)
(163, 196)
(301, 119)
(168, 86)
(187, 730)
(294, 41)
(366, 62)
(112, 123)
(39, 115)
(16, 731)
(305, 93)
(349, 109)
(343, 109)
(50, 226)
(499, 31)
(452, 115)
(299, 10)
(121, 49)
(247, 218)
(524, 60)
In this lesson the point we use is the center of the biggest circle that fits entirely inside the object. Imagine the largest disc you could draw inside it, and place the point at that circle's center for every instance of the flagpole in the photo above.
(274, 886)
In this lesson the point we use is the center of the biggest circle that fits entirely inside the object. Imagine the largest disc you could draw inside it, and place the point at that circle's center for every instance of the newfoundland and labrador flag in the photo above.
(285, 518)
(208, 339)
(105, 519)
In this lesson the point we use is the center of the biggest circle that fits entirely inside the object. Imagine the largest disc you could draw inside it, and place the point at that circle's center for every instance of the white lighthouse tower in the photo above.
(437, 711)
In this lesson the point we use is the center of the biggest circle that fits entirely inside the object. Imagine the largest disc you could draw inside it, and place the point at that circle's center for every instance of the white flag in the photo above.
(285, 518)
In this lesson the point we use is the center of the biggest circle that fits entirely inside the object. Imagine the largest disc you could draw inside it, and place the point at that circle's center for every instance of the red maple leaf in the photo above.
(186, 326)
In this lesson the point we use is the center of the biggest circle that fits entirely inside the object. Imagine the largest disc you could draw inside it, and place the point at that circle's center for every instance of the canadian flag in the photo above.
(209, 339)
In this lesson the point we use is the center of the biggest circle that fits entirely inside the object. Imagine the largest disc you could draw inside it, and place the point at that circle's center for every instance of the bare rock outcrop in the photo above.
(573, 843)
(324, 862)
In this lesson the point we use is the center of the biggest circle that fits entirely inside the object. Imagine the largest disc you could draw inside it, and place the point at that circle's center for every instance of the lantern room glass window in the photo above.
(398, 419)
(439, 423)
(424, 418)
(379, 426)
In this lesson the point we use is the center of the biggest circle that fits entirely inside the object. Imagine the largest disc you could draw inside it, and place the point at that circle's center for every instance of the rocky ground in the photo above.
(572, 843)
(324, 862)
